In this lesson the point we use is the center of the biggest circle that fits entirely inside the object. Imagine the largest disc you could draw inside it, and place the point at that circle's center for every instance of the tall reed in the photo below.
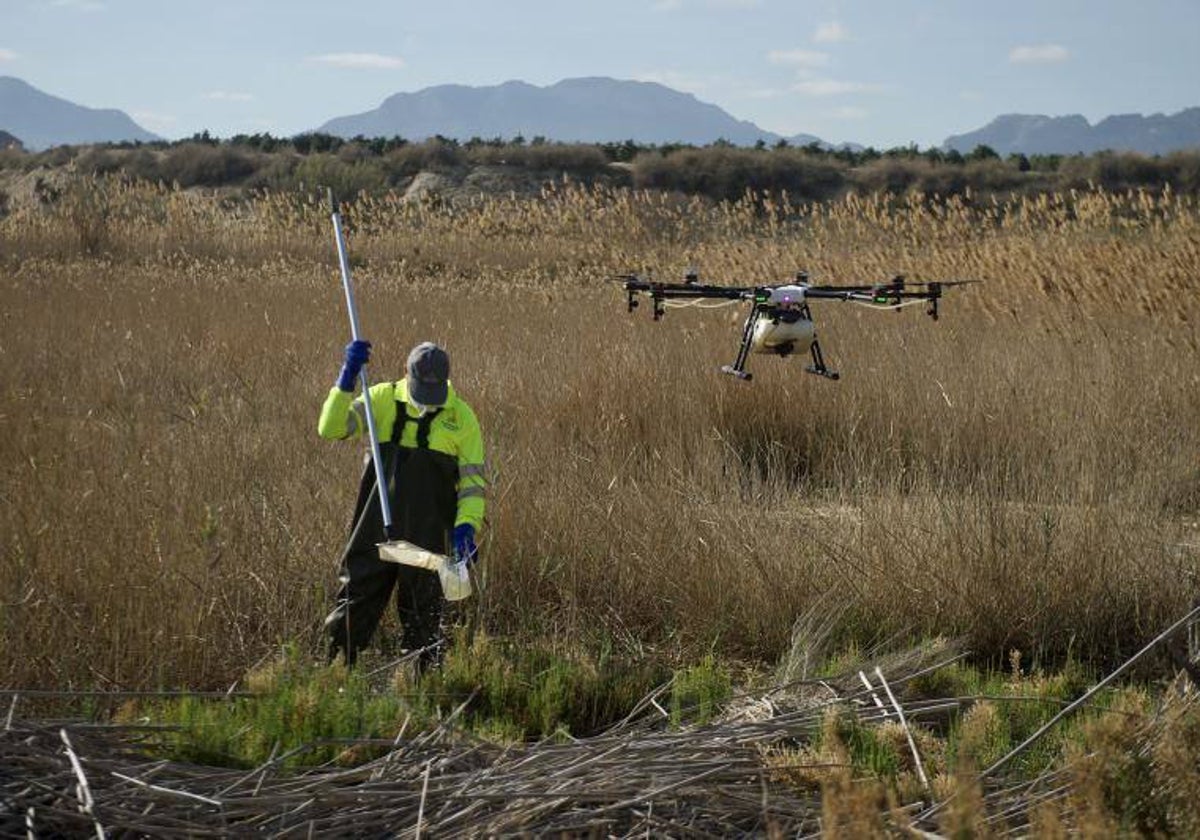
(1022, 472)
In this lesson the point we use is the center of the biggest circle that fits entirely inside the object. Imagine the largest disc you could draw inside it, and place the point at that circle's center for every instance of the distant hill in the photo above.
(7, 141)
(1035, 134)
(42, 120)
(592, 110)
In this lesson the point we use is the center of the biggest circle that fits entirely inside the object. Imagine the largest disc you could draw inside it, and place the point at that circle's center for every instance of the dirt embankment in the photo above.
(463, 184)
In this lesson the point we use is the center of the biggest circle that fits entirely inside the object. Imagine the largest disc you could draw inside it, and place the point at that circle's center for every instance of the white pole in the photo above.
(385, 503)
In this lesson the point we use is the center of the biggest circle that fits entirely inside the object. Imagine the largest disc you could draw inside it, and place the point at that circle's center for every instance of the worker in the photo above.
(432, 450)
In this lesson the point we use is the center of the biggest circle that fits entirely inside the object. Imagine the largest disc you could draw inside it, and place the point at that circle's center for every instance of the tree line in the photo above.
(720, 170)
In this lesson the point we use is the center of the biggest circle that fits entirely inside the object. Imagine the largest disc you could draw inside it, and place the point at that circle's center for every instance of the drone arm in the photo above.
(660, 293)
(883, 296)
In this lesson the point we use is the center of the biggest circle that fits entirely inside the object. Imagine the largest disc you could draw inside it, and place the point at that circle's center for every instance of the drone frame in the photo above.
(887, 295)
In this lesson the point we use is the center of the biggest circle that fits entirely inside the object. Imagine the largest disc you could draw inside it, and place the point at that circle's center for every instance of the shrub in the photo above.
(205, 165)
(728, 173)
(1119, 172)
(278, 173)
(578, 158)
(893, 175)
(345, 179)
(436, 154)
(1183, 171)
(144, 164)
(13, 159)
(99, 160)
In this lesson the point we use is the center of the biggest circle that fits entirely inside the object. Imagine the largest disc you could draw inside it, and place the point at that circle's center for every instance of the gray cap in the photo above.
(428, 371)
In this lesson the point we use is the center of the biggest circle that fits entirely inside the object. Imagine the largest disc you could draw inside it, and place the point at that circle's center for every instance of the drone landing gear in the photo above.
(828, 374)
(818, 366)
(738, 368)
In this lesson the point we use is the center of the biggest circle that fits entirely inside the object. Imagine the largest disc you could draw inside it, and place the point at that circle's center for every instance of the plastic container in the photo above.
(456, 580)
(455, 577)
(772, 335)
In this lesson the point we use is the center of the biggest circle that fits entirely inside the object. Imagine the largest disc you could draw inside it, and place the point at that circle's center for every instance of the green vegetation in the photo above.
(1123, 763)
(529, 689)
(698, 692)
(305, 713)
(302, 713)
(720, 171)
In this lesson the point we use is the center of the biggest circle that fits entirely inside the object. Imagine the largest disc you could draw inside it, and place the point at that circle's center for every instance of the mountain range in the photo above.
(40, 120)
(592, 110)
(1032, 134)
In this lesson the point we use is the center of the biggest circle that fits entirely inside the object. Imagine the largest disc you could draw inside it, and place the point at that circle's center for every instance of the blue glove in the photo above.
(464, 544)
(358, 353)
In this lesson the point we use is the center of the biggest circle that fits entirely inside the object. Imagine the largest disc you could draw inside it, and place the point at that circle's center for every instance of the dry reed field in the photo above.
(1017, 484)
(1022, 474)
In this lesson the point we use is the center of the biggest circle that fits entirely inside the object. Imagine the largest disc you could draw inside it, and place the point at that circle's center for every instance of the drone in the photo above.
(780, 322)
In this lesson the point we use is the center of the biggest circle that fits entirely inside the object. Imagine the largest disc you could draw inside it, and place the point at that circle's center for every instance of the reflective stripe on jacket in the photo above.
(454, 431)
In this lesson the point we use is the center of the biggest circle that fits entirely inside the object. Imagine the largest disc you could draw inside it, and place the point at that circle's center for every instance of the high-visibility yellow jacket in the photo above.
(455, 432)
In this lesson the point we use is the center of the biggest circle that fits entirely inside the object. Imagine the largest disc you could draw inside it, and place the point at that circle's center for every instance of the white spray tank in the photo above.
(785, 330)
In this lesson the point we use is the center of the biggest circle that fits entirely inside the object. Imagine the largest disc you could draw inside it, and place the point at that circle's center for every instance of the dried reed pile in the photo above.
(639, 777)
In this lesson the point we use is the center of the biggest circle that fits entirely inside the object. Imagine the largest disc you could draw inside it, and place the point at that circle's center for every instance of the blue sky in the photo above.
(878, 72)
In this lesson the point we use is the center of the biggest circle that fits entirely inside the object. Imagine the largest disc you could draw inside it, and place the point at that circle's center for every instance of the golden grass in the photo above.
(1023, 472)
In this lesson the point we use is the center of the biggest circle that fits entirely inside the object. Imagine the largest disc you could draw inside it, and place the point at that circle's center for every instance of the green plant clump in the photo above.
(309, 713)
(698, 692)
(300, 712)
(530, 689)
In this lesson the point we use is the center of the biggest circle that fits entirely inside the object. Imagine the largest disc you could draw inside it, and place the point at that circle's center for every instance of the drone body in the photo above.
(780, 321)
(785, 326)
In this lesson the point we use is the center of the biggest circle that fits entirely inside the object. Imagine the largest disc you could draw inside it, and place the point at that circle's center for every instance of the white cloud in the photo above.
(358, 61)
(734, 4)
(1038, 54)
(830, 33)
(667, 5)
(832, 87)
(7, 55)
(798, 58)
(228, 96)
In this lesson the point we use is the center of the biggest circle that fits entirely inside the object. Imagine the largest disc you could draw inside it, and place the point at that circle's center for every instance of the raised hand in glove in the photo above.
(465, 549)
(358, 353)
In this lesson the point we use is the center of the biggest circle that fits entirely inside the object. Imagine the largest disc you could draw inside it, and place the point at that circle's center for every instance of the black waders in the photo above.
(423, 495)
